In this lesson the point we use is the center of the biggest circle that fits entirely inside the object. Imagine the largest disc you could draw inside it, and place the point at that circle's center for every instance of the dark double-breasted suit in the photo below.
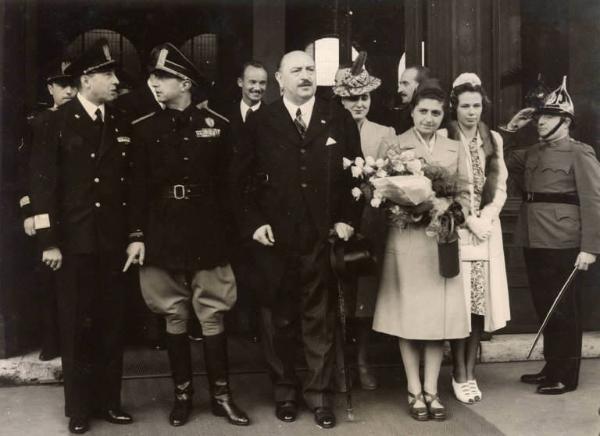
(299, 187)
(78, 178)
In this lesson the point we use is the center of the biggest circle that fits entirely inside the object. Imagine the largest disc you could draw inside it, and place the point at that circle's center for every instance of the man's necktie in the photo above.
(98, 121)
(300, 124)
(248, 113)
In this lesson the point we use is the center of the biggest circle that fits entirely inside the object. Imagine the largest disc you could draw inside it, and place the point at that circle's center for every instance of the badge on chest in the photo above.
(208, 132)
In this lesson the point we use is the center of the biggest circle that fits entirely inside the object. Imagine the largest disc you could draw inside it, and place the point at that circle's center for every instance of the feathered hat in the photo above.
(355, 80)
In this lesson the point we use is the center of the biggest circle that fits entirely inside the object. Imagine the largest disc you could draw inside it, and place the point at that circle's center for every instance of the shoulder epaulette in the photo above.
(216, 114)
(142, 118)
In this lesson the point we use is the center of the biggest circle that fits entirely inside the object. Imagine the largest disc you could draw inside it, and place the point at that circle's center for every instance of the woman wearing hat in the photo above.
(415, 303)
(353, 86)
(482, 252)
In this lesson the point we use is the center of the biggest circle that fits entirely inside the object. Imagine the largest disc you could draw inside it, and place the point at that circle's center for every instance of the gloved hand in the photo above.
(584, 260)
(480, 227)
(520, 120)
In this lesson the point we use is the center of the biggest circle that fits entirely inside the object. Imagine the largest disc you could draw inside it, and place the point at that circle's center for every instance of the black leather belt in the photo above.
(543, 197)
(185, 192)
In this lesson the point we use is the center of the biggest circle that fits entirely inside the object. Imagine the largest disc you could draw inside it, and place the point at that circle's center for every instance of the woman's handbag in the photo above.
(448, 253)
(471, 252)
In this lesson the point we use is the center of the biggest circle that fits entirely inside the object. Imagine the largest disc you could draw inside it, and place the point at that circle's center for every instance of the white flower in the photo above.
(356, 171)
(375, 202)
(399, 167)
(380, 163)
(381, 173)
(370, 161)
(377, 194)
(414, 166)
(359, 162)
(368, 170)
(346, 163)
(356, 193)
(407, 155)
(395, 209)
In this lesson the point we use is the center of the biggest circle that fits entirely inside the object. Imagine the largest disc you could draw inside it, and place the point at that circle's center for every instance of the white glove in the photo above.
(264, 235)
(584, 260)
(520, 120)
(343, 231)
(480, 227)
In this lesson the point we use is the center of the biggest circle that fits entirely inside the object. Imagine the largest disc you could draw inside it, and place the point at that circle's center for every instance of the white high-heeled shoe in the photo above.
(477, 395)
(463, 392)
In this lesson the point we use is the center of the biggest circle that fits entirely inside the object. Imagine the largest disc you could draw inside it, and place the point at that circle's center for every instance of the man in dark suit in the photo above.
(178, 231)
(78, 191)
(293, 150)
(61, 89)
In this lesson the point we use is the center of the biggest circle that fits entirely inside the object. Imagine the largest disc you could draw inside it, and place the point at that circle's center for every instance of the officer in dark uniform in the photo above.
(61, 89)
(558, 228)
(78, 169)
(178, 228)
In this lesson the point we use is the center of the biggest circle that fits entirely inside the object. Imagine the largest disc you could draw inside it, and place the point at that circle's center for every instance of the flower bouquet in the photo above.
(413, 192)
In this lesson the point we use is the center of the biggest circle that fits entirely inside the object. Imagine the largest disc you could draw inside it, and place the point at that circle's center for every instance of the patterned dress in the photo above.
(479, 268)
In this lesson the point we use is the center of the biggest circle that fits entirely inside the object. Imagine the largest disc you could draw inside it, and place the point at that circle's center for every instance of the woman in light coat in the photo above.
(354, 86)
(482, 252)
(415, 303)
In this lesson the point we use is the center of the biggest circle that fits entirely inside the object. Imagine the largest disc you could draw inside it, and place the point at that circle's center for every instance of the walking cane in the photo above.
(561, 293)
(342, 318)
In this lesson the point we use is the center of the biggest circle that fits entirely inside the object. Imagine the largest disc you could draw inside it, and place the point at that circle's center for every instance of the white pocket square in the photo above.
(330, 141)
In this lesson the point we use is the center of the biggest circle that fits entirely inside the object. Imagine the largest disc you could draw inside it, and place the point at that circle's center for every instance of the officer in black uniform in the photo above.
(61, 89)
(78, 173)
(178, 227)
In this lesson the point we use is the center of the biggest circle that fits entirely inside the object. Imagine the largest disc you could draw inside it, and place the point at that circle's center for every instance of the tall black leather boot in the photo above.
(180, 358)
(215, 356)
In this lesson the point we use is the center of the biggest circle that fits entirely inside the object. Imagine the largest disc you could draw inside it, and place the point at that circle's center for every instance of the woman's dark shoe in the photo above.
(367, 379)
(223, 405)
(79, 425)
(420, 413)
(534, 379)
(324, 417)
(437, 413)
(286, 411)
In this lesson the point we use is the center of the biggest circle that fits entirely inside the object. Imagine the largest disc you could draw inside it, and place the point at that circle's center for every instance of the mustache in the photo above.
(305, 83)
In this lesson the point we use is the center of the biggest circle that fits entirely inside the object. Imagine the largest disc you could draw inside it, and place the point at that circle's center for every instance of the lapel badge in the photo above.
(323, 122)
(209, 122)
(77, 116)
(208, 133)
(124, 139)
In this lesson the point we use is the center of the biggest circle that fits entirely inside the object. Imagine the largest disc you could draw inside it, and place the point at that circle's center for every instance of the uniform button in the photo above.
(304, 185)
(124, 203)
(186, 158)
(303, 167)
(122, 179)
(124, 154)
(92, 155)
(97, 204)
(186, 138)
(96, 180)
(303, 150)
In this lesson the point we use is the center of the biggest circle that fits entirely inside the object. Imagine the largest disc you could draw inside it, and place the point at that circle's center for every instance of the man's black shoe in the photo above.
(534, 379)
(324, 417)
(223, 405)
(181, 412)
(286, 411)
(553, 388)
(116, 416)
(46, 355)
(79, 425)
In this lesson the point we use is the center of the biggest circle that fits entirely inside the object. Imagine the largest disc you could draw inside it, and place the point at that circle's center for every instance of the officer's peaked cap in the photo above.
(96, 58)
(166, 57)
(55, 71)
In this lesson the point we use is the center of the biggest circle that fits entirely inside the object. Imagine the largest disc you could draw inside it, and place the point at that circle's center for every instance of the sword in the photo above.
(561, 293)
